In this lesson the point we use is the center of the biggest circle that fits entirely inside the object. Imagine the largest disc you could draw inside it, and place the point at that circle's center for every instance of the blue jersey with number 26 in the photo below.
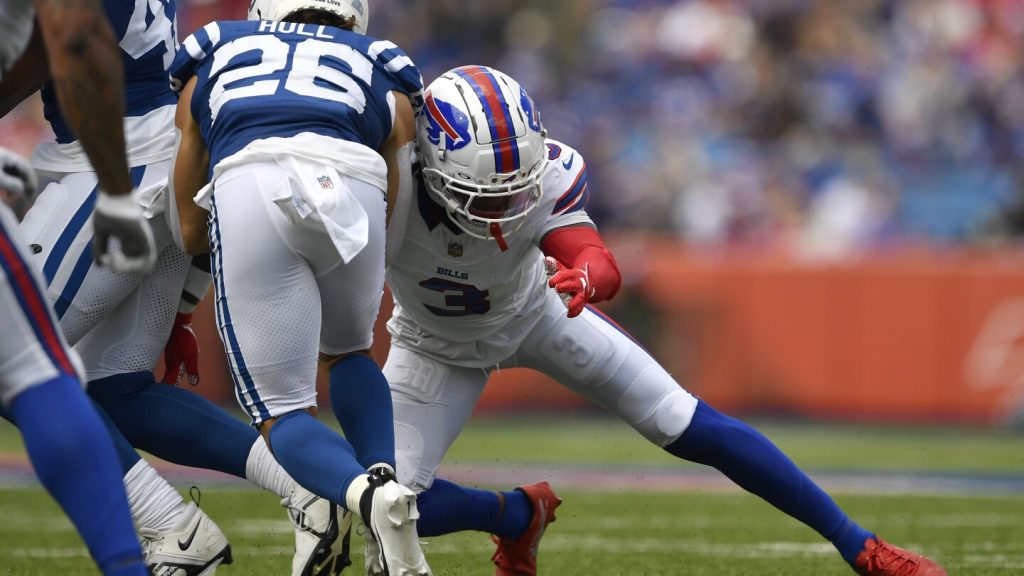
(264, 79)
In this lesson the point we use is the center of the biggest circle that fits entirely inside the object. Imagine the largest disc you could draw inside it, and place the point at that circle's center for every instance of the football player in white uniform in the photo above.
(292, 125)
(493, 266)
(120, 321)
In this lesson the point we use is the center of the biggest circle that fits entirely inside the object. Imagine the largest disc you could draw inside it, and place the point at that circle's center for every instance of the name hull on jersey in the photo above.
(295, 28)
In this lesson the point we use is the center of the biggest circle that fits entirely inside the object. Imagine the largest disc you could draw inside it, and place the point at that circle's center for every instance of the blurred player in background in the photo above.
(500, 208)
(291, 131)
(70, 450)
(66, 440)
(120, 321)
(86, 87)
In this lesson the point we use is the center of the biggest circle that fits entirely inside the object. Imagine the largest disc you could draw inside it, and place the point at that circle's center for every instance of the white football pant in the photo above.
(588, 354)
(118, 322)
(32, 349)
(283, 292)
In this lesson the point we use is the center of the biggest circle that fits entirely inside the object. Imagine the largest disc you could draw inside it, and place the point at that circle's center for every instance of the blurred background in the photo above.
(816, 204)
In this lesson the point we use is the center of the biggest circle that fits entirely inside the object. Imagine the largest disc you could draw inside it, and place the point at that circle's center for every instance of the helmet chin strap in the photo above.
(498, 236)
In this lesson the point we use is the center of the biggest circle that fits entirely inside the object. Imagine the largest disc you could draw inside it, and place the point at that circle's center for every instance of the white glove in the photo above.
(120, 218)
(16, 175)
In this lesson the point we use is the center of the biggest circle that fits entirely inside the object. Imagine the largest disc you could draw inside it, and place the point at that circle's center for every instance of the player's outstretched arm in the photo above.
(191, 167)
(580, 267)
(88, 78)
(398, 155)
(403, 131)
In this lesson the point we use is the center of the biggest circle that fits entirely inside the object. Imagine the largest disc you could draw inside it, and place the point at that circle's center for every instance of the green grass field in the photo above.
(639, 529)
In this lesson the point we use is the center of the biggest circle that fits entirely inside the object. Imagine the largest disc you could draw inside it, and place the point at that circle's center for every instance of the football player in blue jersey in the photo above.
(494, 266)
(119, 322)
(295, 128)
(87, 79)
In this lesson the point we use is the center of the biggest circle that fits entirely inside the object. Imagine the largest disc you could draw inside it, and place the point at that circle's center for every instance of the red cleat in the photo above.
(879, 558)
(519, 557)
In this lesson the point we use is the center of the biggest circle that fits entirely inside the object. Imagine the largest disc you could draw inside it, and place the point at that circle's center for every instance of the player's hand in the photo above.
(572, 284)
(120, 218)
(16, 175)
(181, 356)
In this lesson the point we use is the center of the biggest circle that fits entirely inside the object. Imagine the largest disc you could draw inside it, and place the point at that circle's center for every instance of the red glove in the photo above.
(181, 355)
(572, 284)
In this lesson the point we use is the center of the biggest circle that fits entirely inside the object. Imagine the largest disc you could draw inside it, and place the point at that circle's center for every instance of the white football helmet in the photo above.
(278, 9)
(482, 149)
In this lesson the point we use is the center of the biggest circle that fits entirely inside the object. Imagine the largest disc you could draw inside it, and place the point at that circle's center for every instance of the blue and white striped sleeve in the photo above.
(193, 51)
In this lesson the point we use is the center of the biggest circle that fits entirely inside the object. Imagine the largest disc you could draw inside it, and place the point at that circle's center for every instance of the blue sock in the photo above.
(174, 424)
(448, 507)
(125, 453)
(73, 457)
(758, 466)
(361, 400)
(315, 456)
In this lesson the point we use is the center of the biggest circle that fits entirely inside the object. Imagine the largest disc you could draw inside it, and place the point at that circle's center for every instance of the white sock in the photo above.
(384, 465)
(154, 503)
(263, 470)
(355, 492)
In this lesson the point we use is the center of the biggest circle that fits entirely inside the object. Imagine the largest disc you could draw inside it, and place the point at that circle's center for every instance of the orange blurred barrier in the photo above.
(910, 336)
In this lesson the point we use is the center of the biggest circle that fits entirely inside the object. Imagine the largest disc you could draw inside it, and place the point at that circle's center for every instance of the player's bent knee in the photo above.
(668, 418)
(328, 360)
(267, 424)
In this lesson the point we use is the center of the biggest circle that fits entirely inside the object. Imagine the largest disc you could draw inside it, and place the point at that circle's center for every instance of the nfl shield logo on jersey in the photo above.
(325, 182)
(455, 249)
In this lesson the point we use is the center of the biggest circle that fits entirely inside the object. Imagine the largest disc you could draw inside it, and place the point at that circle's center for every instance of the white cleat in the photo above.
(318, 523)
(195, 547)
(389, 511)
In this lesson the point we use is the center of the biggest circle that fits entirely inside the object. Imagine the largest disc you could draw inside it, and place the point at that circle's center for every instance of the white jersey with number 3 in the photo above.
(464, 300)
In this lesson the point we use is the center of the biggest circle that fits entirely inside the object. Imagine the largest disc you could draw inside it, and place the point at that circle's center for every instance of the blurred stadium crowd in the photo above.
(824, 127)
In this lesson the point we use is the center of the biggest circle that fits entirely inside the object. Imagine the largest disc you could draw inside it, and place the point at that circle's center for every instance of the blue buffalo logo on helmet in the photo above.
(532, 116)
(444, 118)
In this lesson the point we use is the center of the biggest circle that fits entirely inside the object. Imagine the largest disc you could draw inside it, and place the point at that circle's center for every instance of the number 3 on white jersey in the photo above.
(303, 70)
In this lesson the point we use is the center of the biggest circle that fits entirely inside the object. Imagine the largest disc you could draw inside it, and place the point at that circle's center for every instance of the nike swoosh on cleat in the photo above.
(568, 164)
(184, 546)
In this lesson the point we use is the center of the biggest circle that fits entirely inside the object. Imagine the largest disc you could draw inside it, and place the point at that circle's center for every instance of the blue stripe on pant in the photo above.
(244, 385)
(85, 258)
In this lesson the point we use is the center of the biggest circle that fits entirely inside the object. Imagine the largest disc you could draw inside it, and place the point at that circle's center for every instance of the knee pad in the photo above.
(668, 419)
(649, 399)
